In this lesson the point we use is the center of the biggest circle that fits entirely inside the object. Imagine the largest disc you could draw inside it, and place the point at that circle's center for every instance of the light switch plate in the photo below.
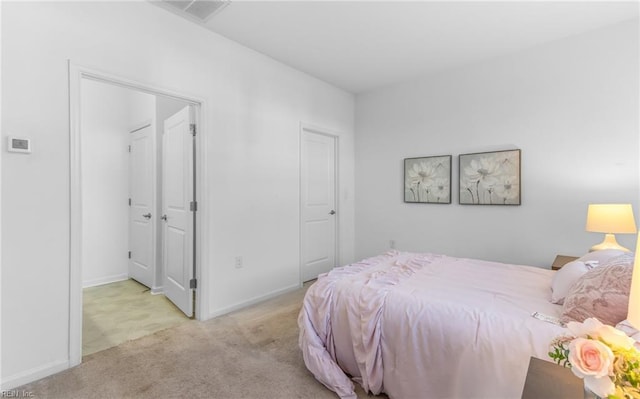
(19, 144)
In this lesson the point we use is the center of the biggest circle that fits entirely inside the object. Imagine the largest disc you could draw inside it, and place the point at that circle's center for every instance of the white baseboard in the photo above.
(34, 374)
(253, 301)
(157, 290)
(104, 280)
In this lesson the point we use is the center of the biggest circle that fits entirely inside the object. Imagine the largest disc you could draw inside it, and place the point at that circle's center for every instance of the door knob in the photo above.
(164, 217)
(147, 216)
(332, 212)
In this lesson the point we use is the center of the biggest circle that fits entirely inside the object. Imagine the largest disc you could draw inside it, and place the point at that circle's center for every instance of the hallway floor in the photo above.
(119, 312)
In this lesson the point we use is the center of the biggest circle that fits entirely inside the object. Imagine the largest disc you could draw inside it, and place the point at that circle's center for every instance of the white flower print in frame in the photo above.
(427, 180)
(490, 178)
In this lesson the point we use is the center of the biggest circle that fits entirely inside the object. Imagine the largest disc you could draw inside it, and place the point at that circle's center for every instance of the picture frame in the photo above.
(427, 180)
(490, 178)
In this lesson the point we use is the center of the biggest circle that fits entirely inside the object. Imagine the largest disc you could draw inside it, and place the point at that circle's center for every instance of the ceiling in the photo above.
(363, 45)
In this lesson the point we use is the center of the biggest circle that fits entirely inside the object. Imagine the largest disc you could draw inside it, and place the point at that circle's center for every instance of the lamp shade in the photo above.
(633, 315)
(610, 218)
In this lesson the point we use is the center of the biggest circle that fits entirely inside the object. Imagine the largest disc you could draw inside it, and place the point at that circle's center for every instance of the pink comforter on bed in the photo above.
(426, 326)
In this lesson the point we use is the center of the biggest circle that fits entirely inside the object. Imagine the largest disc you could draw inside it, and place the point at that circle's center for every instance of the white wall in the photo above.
(108, 114)
(252, 113)
(571, 106)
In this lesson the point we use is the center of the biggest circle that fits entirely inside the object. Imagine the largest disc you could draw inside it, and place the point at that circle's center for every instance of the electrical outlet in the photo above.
(238, 262)
(392, 244)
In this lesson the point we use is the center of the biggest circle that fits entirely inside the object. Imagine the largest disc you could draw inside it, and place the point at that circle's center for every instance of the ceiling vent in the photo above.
(202, 10)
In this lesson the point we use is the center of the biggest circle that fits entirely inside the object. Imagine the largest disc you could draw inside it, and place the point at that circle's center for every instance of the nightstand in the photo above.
(550, 381)
(562, 260)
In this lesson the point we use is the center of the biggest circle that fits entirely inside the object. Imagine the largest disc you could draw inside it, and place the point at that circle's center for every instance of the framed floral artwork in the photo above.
(490, 178)
(427, 180)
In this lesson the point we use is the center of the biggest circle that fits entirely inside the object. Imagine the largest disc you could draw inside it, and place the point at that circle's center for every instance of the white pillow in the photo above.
(601, 256)
(564, 279)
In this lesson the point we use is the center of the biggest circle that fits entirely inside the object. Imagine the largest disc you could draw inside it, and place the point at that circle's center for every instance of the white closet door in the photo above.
(178, 216)
(318, 204)
(142, 224)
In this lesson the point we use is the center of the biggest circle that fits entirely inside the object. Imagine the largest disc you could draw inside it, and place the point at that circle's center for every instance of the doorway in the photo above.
(318, 203)
(122, 311)
(98, 171)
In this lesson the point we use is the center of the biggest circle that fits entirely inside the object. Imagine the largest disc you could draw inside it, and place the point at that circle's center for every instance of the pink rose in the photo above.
(589, 357)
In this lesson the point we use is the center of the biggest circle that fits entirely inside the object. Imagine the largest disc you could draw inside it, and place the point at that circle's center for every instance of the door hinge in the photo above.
(129, 148)
(129, 201)
(193, 206)
(193, 283)
(192, 129)
(129, 254)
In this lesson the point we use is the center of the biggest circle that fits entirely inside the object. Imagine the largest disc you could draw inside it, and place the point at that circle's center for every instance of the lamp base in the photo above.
(609, 242)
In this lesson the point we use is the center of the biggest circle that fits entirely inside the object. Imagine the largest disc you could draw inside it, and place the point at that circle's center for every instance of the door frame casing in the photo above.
(76, 74)
(305, 127)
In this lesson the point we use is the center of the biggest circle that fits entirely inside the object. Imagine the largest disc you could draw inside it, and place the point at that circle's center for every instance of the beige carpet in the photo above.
(252, 353)
(119, 312)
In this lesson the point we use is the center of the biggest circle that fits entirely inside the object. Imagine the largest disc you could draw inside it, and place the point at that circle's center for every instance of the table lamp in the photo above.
(610, 219)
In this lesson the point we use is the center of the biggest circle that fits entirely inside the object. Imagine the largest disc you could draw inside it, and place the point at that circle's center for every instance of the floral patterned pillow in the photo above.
(602, 292)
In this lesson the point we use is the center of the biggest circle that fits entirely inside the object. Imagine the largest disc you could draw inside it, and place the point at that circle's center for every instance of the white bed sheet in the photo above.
(427, 326)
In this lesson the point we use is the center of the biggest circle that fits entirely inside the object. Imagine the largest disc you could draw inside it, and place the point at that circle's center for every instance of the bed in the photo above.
(427, 326)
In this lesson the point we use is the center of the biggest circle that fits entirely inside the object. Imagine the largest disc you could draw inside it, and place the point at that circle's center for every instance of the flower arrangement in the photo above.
(603, 356)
